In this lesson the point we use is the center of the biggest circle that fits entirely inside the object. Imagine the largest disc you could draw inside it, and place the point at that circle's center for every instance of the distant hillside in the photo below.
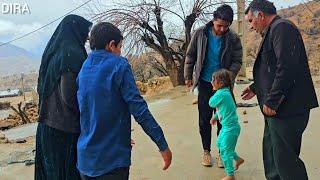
(14, 81)
(307, 19)
(16, 60)
(9, 50)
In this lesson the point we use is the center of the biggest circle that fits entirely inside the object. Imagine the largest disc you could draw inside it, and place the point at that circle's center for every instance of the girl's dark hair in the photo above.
(224, 12)
(225, 77)
(102, 33)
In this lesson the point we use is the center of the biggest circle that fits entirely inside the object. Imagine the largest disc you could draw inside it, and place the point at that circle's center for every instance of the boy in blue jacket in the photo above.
(107, 98)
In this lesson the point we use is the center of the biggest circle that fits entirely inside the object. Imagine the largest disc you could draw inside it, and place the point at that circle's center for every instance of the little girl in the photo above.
(224, 102)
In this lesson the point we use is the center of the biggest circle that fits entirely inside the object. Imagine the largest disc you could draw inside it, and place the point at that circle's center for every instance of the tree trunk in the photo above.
(175, 73)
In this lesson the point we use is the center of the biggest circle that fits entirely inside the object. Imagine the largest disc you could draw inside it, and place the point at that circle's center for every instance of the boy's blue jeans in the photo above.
(116, 174)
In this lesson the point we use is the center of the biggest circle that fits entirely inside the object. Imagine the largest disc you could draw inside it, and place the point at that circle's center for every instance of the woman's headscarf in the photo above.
(64, 52)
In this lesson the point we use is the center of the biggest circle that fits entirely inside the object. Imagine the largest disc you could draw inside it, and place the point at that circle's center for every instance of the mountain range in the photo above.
(16, 60)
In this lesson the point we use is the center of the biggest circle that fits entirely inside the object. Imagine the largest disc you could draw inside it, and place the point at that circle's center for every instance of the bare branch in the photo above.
(215, 4)
(175, 39)
(182, 9)
(153, 24)
(163, 8)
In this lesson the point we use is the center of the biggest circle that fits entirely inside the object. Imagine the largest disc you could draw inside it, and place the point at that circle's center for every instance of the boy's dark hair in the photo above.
(102, 33)
(224, 12)
(262, 5)
(224, 76)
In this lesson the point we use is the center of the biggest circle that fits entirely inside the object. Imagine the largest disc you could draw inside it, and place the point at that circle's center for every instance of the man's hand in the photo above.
(132, 142)
(213, 121)
(247, 94)
(167, 157)
(188, 83)
(268, 111)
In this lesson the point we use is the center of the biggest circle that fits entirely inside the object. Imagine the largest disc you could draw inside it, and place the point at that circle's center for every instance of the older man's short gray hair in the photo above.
(264, 6)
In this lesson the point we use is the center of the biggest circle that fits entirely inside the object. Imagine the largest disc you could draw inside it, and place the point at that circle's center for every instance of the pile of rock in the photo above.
(159, 85)
(13, 120)
(142, 87)
(32, 111)
(155, 85)
(4, 105)
(3, 139)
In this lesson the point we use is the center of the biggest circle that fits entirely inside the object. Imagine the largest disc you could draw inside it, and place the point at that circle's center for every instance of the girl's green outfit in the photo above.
(227, 115)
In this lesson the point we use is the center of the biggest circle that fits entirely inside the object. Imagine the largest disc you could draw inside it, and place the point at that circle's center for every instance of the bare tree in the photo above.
(147, 66)
(162, 25)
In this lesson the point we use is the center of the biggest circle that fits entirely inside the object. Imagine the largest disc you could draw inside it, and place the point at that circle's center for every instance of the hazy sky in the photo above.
(42, 12)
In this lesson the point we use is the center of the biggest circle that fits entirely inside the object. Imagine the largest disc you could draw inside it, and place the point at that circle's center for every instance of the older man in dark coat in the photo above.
(284, 88)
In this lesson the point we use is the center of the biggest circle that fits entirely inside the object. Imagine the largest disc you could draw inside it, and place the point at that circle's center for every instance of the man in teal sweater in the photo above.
(212, 47)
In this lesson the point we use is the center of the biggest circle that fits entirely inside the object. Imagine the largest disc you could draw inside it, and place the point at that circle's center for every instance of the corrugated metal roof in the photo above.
(13, 92)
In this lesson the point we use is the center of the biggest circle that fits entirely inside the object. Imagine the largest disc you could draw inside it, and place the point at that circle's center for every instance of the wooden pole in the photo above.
(242, 34)
(22, 87)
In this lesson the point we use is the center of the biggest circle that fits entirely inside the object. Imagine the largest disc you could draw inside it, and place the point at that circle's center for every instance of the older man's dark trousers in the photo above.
(205, 114)
(281, 147)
